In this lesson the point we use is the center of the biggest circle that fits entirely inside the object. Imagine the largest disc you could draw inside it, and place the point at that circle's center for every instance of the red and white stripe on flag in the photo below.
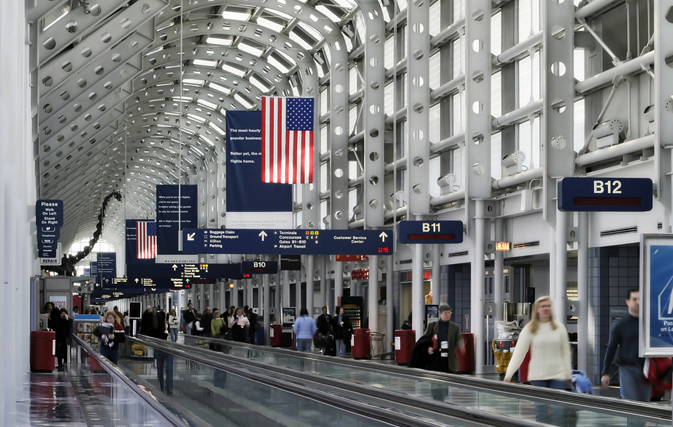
(287, 139)
(146, 239)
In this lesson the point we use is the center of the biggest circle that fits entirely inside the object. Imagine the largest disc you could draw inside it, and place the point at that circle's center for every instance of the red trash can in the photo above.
(360, 343)
(404, 343)
(276, 335)
(42, 347)
(466, 361)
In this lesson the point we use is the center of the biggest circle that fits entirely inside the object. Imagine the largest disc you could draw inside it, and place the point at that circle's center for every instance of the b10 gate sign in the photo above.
(605, 194)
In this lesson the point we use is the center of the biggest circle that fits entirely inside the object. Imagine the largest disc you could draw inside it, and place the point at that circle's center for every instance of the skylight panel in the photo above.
(221, 89)
(312, 31)
(345, 3)
(252, 50)
(206, 104)
(205, 63)
(274, 26)
(220, 41)
(193, 82)
(196, 118)
(236, 14)
(216, 128)
(328, 13)
(233, 70)
(277, 64)
(240, 98)
(260, 84)
(303, 43)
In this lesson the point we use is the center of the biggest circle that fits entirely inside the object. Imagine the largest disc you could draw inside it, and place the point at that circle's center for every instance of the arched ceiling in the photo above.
(127, 101)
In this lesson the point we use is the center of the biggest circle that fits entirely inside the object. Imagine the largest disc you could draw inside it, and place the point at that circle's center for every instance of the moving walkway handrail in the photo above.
(606, 405)
(421, 406)
(154, 400)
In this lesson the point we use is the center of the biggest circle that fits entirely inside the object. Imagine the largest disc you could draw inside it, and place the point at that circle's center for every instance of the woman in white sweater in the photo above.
(550, 364)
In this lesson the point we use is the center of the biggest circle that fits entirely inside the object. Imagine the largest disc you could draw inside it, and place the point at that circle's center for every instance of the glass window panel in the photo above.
(496, 155)
(352, 199)
(457, 114)
(324, 179)
(298, 219)
(435, 173)
(323, 214)
(578, 122)
(388, 98)
(457, 166)
(435, 124)
(529, 142)
(579, 64)
(353, 80)
(324, 142)
(529, 79)
(435, 18)
(458, 9)
(324, 102)
(353, 119)
(496, 36)
(435, 71)
(529, 18)
(496, 95)
(389, 52)
(353, 169)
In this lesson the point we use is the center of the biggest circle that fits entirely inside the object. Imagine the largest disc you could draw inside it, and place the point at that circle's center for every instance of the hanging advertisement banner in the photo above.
(252, 203)
(656, 295)
(177, 209)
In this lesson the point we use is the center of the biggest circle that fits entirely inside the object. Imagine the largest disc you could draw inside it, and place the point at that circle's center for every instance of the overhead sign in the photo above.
(56, 260)
(132, 242)
(107, 264)
(656, 295)
(290, 262)
(177, 208)
(259, 267)
(49, 219)
(430, 232)
(502, 246)
(93, 270)
(252, 203)
(605, 194)
(297, 242)
(350, 258)
(179, 276)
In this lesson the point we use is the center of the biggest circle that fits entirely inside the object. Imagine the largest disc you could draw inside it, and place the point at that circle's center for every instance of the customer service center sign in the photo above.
(656, 295)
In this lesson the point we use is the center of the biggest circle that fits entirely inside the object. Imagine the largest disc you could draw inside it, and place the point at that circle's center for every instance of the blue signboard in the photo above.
(175, 205)
(249, 200)
(49, 219)
(296, 242)
(259, 267)
(432, 232)
(107, 265)
(656, 296)
(605, 194)
(179, 276)
(132, 243)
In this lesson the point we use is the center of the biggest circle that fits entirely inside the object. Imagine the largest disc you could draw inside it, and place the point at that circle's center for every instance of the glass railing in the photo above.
(552, 407)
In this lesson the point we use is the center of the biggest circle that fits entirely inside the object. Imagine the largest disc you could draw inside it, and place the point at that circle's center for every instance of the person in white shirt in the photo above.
(173, 325)
(550, 364)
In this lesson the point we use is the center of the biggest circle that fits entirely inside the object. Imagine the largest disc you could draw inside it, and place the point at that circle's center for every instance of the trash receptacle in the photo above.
(404, 343)
(42, 346)
(360, 343)
(259, 336)
(276, 335)
(466, 361)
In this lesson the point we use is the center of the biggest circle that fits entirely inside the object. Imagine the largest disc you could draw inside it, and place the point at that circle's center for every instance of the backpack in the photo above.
(581, 383)
(657, 370)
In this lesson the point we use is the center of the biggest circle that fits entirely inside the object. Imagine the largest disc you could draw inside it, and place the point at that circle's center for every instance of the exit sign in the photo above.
(502, 246)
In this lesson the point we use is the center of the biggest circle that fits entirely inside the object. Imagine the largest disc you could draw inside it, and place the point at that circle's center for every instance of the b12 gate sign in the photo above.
(432, 232)
(605, 194)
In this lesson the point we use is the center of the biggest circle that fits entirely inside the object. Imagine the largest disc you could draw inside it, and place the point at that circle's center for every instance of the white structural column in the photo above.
(478, 152)
(276, 299)
(297, 289)
(373, 294)
(557, 137)
(212, 301)
(477, 290)
(266, 312)
(310, 284)
(583, 293)
(286, 292)
(202, 297)
(417, 302)
(436, 274)
(663, 109)
(338, 281)
(498, 285)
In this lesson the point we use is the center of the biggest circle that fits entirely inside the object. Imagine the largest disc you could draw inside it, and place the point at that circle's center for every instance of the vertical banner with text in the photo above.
(132, 242)
(252, 203)
(177, 209)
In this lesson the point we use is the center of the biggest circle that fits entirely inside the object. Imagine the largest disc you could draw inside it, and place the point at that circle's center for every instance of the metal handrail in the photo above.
(146, 391)
(465, 416)
(580, 401)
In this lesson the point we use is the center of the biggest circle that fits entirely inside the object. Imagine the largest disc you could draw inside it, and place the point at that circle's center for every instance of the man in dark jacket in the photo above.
(445, 339)
(205, 322)
(188, 317)
(324, 323)
(146, 322)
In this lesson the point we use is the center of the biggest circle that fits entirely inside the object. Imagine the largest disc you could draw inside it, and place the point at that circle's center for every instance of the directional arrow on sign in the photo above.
(190, 237)
(383, 236)
(175, 267)
(137, 280)
(262, 235)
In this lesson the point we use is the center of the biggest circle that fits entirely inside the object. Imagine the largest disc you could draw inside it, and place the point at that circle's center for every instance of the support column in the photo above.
(373, 293)
(286, 292)
(276, 299)
(338, 282)
(498, 285)
(202, 297)
(558, 285)
(297, 292)
(417, 303)
(310, 282)
(436, 274)
(477, 300)
(266, 304)
(583, 293)
(212, 302)
(234, 295)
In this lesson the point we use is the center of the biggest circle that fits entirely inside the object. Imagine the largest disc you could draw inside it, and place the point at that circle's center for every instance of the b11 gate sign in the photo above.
(295, 242)
(605, 194)
(432, 232)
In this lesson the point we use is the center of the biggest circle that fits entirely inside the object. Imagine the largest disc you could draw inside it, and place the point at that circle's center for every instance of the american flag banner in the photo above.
(147, 239)
(287, 140)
